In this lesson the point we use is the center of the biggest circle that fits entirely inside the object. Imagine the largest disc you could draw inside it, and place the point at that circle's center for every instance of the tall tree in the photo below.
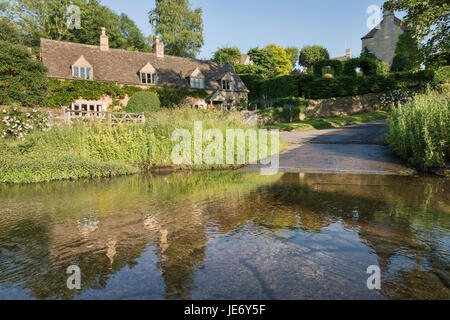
(9, 31)
(407, 55)
(309, 55)
(429, 23)
(231, 55)
(262, 58)
(48, 19)
(282, 63)
(180, 27)
(292, 53)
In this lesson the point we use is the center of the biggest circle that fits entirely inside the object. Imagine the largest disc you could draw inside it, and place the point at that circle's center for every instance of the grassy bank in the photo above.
(87, 151)
(330, 122)
(420, 131)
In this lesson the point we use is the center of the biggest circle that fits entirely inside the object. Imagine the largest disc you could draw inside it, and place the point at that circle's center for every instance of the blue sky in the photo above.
(250, 23)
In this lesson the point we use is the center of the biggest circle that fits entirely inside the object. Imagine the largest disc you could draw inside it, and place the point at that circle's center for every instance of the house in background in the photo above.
(348, 56)
(246, 60)
(67, 60)
(382, 40)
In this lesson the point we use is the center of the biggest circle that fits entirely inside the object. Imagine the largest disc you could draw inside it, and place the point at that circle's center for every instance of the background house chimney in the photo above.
(104, 40)
(348, 53)
(158, 48)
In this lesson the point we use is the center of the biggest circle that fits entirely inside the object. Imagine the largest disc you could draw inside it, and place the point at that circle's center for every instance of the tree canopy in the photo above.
(22, 78)
(428, 22)
(292, 53)
(407, 55)
(9, 31)
(48, 19)
(231, 55)
(282, 63)
(309, 55)
(180, 27)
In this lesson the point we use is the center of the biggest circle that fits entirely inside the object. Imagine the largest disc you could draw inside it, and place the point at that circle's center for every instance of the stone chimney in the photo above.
(104, 40)
(348, 53)
(158, 48)
(388, 16)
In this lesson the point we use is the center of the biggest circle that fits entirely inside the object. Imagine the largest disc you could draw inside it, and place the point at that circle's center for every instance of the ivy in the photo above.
(64, 92)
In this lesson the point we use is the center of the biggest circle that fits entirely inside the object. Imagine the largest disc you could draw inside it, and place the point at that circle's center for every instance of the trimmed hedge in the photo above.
(367, 66)
(335, 64)
(144, 101)
(311, 87)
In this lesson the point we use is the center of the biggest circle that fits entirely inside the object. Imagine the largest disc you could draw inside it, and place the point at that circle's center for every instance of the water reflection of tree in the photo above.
(175, 215)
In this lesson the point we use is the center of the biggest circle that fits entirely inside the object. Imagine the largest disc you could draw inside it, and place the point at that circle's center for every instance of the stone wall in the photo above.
(342, 106)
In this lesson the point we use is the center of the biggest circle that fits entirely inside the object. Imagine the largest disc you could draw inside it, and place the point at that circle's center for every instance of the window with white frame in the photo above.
(198, 83)
(226, 84)
(82, 72)
(149, 78)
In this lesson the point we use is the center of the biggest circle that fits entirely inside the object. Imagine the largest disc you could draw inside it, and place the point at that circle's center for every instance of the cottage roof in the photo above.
(123, 66)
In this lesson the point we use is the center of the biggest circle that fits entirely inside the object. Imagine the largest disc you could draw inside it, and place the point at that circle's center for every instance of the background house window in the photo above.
(197, 83)
(82, 72)
(226, 84)
(149, 78)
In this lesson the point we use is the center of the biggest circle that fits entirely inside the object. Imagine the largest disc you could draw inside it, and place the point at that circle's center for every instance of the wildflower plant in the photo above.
(15, 123)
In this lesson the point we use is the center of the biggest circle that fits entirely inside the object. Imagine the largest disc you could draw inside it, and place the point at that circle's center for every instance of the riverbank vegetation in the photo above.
(79, 151)
(419, 131)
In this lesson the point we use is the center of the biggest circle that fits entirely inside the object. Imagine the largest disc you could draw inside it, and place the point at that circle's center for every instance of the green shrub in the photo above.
(22, 79)
(419, 131)
(144, 101)
(310, 87)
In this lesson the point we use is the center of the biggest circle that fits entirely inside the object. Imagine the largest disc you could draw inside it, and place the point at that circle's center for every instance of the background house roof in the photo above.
(372, 32)
(123, 66)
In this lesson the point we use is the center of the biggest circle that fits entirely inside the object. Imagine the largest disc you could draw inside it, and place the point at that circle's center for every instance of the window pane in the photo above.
(76, 72)
(82, 74)
(144, 77)
(88, 73)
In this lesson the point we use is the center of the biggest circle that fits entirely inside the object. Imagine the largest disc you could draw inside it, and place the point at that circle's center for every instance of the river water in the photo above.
(227, 235)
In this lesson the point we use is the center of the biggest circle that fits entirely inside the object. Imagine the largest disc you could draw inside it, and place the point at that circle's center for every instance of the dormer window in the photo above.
(148, 74)
(226, 84)
(82, 69)
(197, 79)
(197, 83)
(227, 81)
(149, 78)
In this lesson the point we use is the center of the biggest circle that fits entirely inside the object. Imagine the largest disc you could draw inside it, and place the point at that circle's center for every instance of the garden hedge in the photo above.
(368, 67)
(335, 64)
(311, 87)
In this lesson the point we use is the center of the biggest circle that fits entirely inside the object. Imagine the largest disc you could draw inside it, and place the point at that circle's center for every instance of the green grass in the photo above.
(89, 151)
(419, 131)
(315, 123)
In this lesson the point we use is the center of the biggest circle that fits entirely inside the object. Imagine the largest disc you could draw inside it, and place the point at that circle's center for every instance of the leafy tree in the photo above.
(251, 69)
(407, 55)
(231, 55)
(292, 53)
(180, 27)
(381, 66)
(22, 78)
(48, 19)
(9, 31)
(262, 58)
(428, 22)
(309, 55)
(282, 63)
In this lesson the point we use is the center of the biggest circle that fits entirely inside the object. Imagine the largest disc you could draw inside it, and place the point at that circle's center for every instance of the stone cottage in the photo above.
(67, 60)
(382, 40)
